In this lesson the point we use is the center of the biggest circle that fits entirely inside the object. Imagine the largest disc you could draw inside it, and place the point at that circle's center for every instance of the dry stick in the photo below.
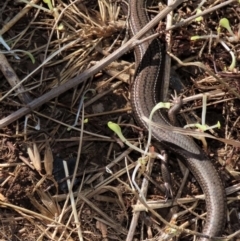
(179, 229)
(101, 64)
(5, 67)
(13, 79)
(202, 66)
(167, 59)
(136, 215)
(8, 25)
(183, 22)
(29, 212)
(88, 73)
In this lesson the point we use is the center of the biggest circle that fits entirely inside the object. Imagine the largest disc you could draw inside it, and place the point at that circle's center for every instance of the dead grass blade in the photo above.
(34, 156)
(49, 202)
(48, 159)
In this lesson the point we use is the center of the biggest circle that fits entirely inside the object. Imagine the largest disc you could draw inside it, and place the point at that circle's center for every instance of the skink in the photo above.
(146, 92)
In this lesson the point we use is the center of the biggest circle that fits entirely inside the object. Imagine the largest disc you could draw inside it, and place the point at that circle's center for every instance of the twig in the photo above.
(8, 25)
(13, 80)
(202, 66)
(135, 217)
(167, 59)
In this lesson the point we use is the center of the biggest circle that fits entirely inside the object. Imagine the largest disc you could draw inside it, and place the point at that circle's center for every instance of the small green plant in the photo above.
(198, 37)
(117, 129)
(155, 108)
(224, 22)
(54, 12)
(49, 3)
(141, 161)
(146, 154)
(200, 18)
(203, 127)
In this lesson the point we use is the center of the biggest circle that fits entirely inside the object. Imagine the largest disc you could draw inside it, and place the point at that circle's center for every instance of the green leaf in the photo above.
(201, 127)
(195, 37)
(225, 24)
(23, 51)
(117, 129)
(200, 18)
(48, 2)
